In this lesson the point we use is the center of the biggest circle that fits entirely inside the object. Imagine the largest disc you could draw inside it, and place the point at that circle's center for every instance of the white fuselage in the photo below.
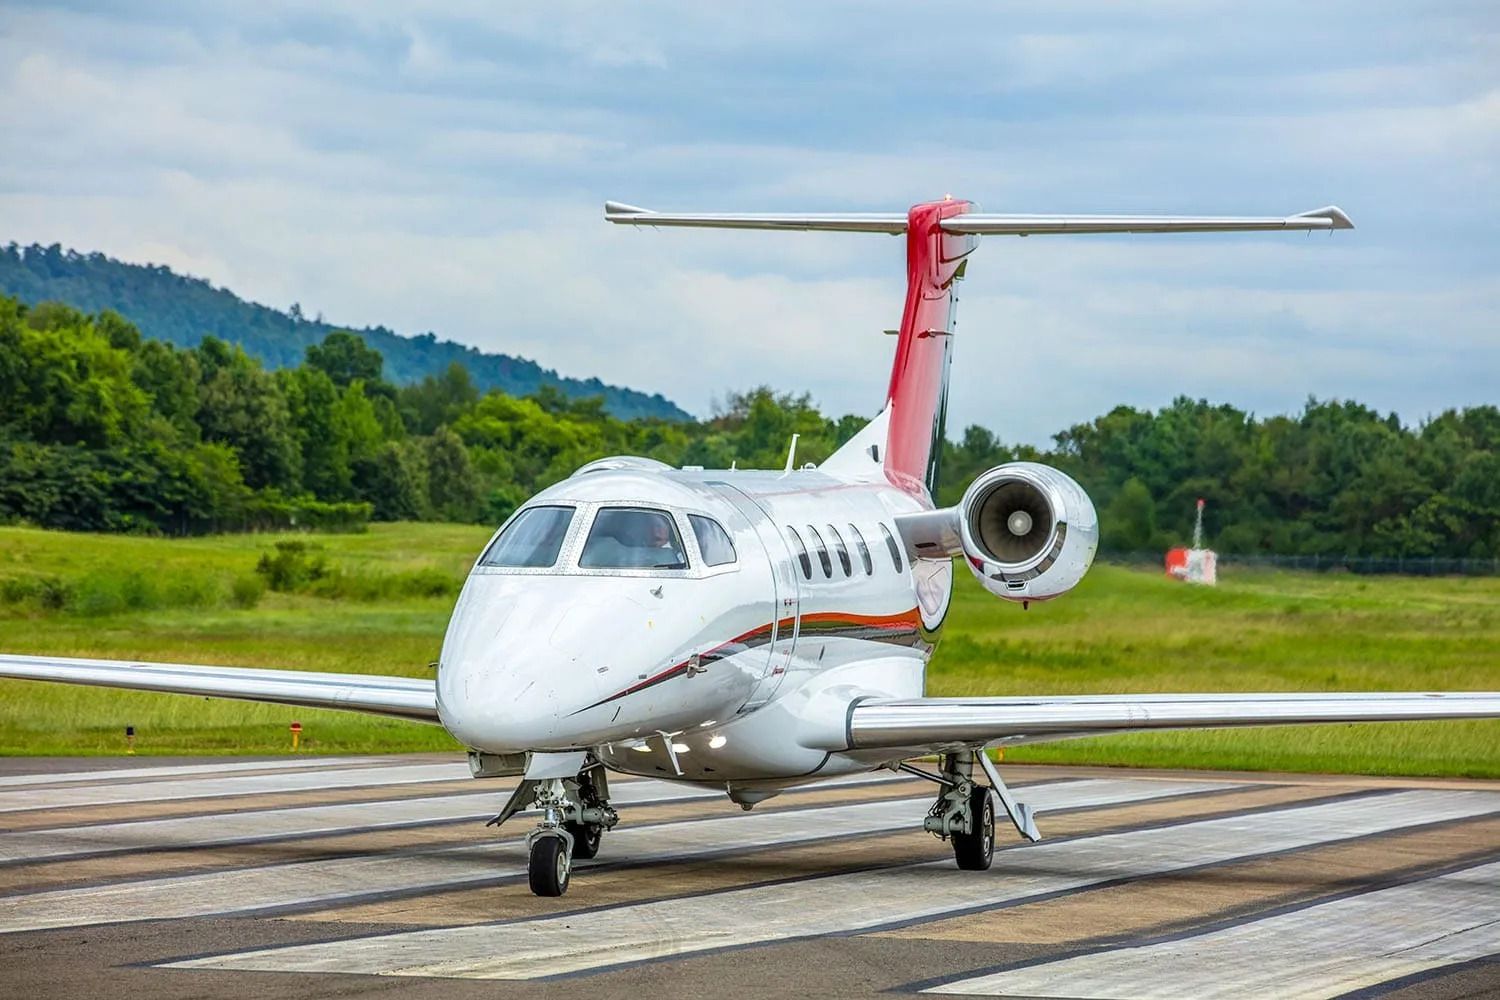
(742, 672)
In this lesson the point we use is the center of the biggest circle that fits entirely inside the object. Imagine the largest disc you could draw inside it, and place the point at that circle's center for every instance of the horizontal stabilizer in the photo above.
(839, 222)
(980, 224)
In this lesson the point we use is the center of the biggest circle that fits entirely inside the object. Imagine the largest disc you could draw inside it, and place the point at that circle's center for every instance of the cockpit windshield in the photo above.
(633, 538)
(533, 539)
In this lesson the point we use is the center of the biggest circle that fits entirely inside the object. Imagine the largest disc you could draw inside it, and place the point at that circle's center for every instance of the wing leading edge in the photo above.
(933, 724)
(400, 697)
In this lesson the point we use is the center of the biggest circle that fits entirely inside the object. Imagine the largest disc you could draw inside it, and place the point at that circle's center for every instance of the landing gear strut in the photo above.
(575, 814)
(964, 812)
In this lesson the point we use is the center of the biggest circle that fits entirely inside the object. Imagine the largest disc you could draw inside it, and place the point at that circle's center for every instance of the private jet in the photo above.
(758, 630)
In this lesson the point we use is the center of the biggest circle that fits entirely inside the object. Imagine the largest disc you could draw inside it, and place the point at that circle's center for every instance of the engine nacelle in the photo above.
(1029, 532)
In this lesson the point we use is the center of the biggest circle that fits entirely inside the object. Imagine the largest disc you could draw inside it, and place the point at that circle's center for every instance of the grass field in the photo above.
(197, 601)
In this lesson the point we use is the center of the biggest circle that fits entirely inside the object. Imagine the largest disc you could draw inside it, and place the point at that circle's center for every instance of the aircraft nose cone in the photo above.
(483, 711)
(498, 684)
(525, 658)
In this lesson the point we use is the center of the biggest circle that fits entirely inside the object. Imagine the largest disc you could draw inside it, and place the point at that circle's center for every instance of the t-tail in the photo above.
(939, 237)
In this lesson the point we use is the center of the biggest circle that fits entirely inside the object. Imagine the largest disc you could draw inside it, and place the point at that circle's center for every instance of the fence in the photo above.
(1402, 565)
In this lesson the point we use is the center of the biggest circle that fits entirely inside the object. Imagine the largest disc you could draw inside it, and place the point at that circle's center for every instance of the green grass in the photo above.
(1131, 630)
(1121, 631)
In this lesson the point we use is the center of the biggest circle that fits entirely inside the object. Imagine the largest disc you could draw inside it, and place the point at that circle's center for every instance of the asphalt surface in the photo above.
(308, 877)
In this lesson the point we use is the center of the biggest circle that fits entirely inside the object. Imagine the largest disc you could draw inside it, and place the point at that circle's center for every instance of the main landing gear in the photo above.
(964, 812)
(575, 814)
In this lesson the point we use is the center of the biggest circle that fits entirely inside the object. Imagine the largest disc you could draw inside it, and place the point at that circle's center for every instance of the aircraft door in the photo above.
(786, 619)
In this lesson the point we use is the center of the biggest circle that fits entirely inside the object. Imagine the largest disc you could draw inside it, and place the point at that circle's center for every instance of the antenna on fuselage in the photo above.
(791, 455)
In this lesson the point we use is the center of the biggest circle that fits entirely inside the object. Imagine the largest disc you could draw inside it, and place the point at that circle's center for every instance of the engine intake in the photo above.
(1029, 532)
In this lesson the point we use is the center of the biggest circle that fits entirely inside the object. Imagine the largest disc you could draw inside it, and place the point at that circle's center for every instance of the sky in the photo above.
(443, 167)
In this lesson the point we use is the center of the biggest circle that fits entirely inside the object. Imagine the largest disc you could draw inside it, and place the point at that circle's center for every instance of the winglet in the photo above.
(1334, 214)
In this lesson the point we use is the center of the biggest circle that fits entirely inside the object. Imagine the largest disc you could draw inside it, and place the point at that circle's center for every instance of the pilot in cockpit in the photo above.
(632, 538)
(660, 542)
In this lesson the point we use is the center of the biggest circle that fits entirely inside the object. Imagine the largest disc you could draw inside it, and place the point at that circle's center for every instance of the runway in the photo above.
(322, 876)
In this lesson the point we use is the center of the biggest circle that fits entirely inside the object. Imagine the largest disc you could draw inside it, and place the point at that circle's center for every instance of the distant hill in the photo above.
(181, 309)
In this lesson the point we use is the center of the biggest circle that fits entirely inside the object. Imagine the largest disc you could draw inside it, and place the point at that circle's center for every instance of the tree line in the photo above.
(179, 309)
(104, 430)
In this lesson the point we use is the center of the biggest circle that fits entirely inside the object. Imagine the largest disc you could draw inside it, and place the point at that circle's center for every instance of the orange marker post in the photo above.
(296, 728)
(130, 739)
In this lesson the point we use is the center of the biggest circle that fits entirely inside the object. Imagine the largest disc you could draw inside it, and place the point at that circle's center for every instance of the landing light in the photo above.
(679, 748)
(715, 742)
(643, 748)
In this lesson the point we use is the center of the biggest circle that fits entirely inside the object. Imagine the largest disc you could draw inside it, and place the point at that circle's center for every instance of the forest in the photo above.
(102, 429)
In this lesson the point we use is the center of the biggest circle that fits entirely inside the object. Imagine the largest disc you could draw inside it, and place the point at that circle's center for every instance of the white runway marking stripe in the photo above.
(179, 770)
(249, 784)
(222, 829)
(226, 829)
(343, 879)
(846, 903)
(1315, 952)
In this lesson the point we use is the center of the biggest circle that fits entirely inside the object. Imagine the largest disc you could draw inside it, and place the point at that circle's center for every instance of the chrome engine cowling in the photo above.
(1029, 532)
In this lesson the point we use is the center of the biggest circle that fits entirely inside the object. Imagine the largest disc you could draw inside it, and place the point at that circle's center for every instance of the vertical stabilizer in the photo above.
(918, 394)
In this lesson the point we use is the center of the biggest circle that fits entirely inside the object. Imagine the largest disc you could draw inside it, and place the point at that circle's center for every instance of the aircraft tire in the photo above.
(974, 851)
(549, 868)
(586, 837)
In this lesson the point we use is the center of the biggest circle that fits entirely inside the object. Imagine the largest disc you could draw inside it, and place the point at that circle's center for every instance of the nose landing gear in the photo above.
(575, 814)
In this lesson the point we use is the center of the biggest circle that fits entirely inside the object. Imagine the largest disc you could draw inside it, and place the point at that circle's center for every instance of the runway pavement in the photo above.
(317, 877)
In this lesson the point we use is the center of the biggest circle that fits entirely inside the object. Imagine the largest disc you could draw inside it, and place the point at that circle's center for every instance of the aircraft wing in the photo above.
(402, 697)
(938, 724)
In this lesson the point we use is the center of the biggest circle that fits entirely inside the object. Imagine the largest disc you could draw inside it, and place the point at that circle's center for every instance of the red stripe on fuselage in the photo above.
(888, 628)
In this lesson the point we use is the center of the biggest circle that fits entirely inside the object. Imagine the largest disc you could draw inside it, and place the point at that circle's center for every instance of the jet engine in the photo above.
(1028, 531)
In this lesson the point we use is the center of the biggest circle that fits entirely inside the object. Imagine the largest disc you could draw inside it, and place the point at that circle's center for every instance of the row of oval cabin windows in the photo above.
(840, 550)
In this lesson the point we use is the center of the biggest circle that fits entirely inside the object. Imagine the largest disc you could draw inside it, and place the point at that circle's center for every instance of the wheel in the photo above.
(549, 866)
(974, 851)
(586, 837)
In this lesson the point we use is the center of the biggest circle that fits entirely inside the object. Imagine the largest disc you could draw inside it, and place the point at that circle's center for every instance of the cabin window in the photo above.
(864, 551)
(713, 540)
(633, 538)
(840, 551)
(532, 540)
(823, 559)
(890, 543)
(801, 552)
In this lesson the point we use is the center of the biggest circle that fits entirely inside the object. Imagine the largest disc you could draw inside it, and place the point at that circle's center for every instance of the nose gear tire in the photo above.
(975, 850)
(550, 867)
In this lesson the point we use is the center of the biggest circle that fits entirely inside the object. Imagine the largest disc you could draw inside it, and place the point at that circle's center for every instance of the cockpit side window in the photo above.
(840, 550)
(822, 552)
(890, 543)
(802, 558)
(864, 550)
(532, 540)
(633, 538)
(713, 540)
